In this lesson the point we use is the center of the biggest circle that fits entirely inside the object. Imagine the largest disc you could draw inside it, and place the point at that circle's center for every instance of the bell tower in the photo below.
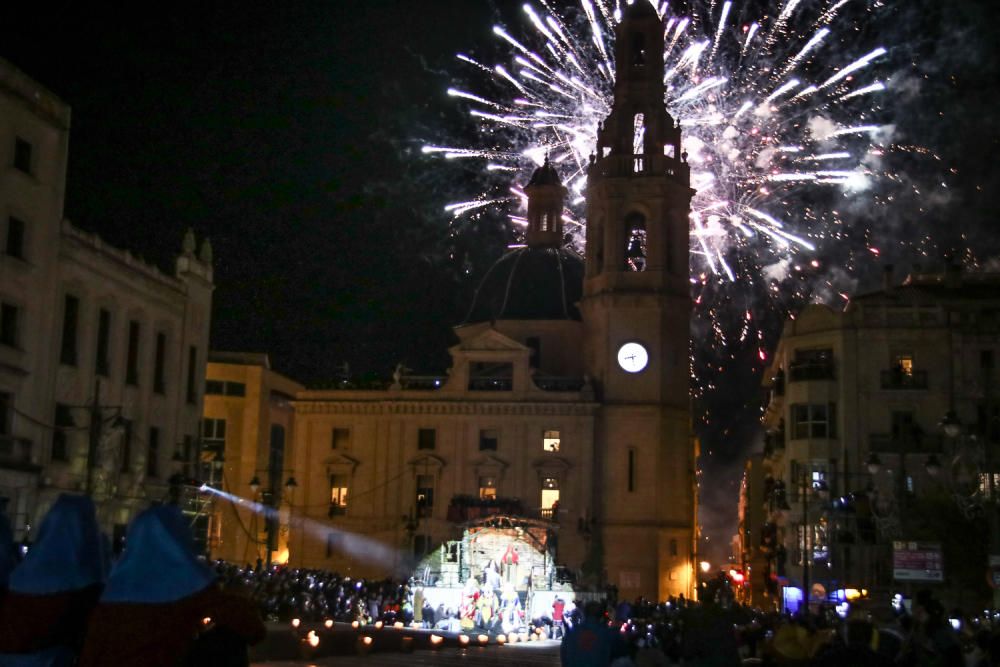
(636, 309)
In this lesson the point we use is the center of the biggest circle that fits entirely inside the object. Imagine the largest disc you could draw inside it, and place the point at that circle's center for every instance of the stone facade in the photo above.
(248, 426)
(540, 360)
(83, 320)
(877, 380)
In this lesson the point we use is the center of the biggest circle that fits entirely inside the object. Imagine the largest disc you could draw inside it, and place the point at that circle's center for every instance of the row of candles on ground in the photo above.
(365, 642)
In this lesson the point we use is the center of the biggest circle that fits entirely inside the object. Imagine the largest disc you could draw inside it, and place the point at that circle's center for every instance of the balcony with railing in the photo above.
(897, 379)
(807, 371)
(464, 508)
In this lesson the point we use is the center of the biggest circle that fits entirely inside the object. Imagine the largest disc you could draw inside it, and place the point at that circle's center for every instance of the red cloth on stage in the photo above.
(159, 635)
(31, 623)
(510, 555)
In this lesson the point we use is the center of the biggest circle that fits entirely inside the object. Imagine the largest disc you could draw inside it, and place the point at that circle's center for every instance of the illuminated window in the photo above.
(635, 246)
(550, 441)
(638, 134)
(550, 496)
(425, 495)
(904, 364)
(487, 487)
(338, 494)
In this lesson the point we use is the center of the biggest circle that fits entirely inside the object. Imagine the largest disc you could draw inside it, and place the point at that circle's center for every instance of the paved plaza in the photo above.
(524, 655)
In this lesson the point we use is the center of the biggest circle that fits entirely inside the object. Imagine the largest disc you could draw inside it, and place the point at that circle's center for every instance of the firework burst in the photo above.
(769, 112)
(778, 110)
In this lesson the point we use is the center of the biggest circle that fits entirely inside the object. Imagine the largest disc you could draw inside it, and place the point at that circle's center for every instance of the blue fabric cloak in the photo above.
(67, 554)
(158, 564)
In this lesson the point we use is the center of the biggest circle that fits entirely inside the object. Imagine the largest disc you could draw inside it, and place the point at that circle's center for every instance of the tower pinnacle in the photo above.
(545, 205)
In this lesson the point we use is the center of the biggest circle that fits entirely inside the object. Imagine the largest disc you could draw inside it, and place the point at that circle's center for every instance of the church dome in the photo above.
(530, 284)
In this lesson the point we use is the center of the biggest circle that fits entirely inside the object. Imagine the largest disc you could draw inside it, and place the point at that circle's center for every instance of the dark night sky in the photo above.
(287, 135)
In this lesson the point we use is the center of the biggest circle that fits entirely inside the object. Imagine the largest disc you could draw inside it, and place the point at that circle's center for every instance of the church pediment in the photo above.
(488, 340)
(490, 465)
(340, 464)
(551, 465)
(427, 463)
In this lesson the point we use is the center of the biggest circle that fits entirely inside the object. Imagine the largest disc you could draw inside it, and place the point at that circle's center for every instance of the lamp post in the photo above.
(270, 501)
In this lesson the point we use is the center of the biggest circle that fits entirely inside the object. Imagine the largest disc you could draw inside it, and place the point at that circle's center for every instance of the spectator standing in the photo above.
(164, 607)
(590, 643)
(52, 592)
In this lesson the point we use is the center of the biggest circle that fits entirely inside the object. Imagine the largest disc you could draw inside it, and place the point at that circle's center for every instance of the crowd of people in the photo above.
(282, 594)
(679, 632)
(66, 604)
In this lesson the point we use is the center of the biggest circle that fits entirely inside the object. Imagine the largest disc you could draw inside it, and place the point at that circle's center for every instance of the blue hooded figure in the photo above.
(51, 593)
(162, 606)
(158, 564)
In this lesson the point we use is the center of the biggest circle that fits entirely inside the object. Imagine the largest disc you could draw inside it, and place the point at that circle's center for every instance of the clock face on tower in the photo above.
(632, 357)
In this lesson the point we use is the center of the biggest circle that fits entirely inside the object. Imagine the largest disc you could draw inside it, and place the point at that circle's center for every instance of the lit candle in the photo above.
(398, 625)
(296, 622)
(501, 639)
(483, 639)
(312, 638)
(378, 625)
(463, 640)
(329, 623)
(437, 640)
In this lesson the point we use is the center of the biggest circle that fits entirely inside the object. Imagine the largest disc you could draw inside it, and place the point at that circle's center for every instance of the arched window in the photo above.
(638, 134)
(635, 242)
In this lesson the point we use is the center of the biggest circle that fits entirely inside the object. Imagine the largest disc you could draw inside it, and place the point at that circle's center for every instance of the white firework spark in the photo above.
(761, 101)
